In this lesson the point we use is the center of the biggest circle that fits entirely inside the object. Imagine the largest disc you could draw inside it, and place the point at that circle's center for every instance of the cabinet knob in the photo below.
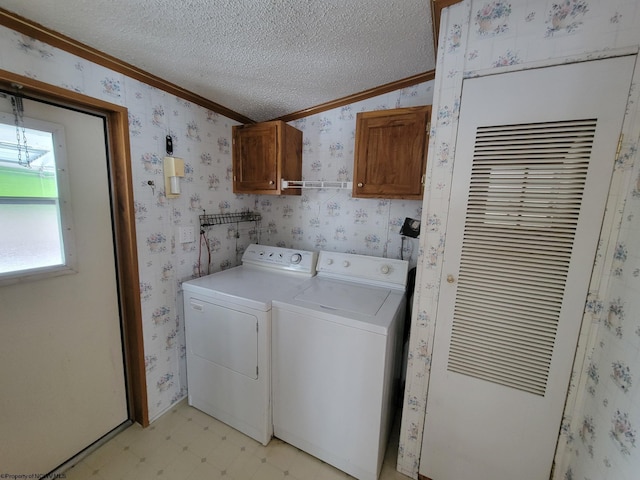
(271, 182)
(360, 184)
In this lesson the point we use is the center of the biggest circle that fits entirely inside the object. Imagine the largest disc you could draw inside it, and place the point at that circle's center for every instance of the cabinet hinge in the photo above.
(619, 147)
(428, 129)
(257, 371)
(423, 179)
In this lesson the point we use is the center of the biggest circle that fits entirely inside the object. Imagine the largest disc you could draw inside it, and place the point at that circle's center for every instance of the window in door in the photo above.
(36, 235)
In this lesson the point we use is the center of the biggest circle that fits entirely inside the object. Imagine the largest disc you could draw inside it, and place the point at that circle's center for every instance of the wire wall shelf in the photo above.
(209, 220)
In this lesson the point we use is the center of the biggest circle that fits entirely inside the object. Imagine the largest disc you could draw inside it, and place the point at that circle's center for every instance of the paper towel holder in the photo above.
(173, 170)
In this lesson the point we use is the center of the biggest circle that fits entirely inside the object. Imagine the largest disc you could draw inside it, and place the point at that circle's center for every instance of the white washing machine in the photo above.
(336, 352)
(228, 335)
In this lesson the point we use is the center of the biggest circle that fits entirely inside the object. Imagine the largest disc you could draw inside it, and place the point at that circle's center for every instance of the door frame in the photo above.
(124, 231)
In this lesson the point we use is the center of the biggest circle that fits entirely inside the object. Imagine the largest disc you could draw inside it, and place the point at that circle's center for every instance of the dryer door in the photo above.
(224, 336)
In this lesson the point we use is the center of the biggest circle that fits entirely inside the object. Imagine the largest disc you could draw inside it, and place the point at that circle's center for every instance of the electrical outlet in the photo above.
(187, 234)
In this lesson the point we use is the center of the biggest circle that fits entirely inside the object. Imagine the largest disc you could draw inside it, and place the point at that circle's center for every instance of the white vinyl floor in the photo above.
(186, 444)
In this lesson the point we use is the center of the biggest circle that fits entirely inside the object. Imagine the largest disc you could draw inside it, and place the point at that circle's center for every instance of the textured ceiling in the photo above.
(260, 58)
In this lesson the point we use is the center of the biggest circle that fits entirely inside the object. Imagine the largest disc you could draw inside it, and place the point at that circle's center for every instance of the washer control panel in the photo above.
(363, 268)
(281, 258)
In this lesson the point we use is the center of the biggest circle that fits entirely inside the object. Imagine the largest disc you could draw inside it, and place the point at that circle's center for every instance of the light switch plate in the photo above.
(186, 234)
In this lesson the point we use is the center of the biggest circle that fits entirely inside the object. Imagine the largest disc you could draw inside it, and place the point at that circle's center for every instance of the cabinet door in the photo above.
(390, 153)
(255, 154)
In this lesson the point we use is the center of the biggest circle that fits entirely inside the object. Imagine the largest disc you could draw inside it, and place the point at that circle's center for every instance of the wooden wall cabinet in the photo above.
(264, 154)
(391, 153)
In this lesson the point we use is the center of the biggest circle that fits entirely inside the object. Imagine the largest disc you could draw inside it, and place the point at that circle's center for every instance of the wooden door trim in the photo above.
(119, 160)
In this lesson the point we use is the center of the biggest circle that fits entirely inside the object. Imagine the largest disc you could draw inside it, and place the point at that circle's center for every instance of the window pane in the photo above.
(33, 240)
(31, 234)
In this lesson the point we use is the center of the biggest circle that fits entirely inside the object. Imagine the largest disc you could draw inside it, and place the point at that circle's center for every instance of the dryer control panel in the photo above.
(301, 261)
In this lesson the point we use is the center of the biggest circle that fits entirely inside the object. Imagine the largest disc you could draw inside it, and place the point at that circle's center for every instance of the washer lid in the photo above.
(344, 296)
(365, 307)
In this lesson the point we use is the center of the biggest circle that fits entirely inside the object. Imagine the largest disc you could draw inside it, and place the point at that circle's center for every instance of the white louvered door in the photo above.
(534, 159)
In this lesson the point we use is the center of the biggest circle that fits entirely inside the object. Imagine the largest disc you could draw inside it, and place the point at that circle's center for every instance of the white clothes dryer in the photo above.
(337, 342)
(228, 335)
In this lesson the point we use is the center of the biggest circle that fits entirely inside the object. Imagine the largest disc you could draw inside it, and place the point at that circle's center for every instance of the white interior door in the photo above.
(61, 360)
(534, 158)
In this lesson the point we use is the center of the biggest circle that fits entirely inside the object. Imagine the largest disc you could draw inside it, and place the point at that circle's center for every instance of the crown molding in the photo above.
(34, 30)
(364, 95)
(58, 40)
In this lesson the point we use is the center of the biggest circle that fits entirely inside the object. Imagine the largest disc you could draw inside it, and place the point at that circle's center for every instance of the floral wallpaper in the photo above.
(318, 219)
(599, 433)
(599, 436)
